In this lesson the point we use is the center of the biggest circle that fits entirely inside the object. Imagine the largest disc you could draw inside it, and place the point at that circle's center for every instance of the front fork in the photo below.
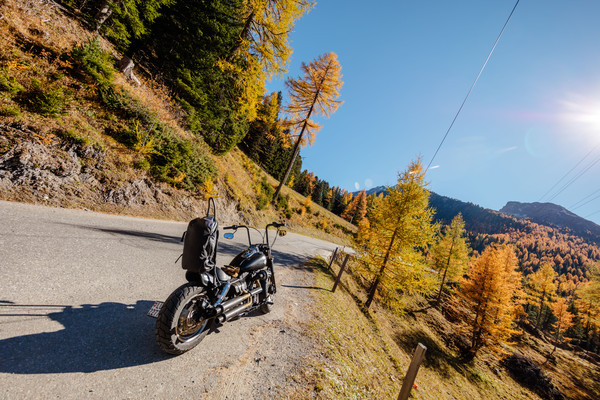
(264, 283)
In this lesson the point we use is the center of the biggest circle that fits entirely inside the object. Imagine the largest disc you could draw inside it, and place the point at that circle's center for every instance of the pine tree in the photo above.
(390, 245)
(187, 41)
(490, 294)
(317, 91)
(451, 253)
(131, 20)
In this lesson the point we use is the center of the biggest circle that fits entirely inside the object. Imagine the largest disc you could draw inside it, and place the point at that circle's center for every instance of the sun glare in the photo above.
(583, 114)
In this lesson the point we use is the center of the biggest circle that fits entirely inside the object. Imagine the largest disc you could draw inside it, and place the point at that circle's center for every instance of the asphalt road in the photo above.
(75, 287)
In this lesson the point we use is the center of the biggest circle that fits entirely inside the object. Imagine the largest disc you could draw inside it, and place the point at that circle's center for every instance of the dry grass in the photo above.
(365, 355)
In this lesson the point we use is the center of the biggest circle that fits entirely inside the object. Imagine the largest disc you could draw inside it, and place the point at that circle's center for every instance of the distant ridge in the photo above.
(376, 190)
(483, 220)
(555, 215)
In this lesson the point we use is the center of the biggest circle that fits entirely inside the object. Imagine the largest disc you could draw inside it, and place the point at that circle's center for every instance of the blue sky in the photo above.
(407, 66)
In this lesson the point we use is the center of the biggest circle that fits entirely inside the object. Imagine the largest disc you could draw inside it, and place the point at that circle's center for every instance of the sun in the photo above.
(582, 113)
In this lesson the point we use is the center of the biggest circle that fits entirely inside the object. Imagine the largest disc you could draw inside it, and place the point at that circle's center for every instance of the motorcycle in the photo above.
(213, 294)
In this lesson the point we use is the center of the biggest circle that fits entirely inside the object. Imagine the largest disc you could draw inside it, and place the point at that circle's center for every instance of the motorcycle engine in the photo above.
(239, 287)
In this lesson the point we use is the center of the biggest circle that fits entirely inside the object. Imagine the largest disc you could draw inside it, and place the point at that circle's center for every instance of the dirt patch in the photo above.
(279, 350)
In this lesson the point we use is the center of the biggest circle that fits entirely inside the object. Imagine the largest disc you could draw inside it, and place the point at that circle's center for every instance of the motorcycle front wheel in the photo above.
(180, 325)
(267, 305)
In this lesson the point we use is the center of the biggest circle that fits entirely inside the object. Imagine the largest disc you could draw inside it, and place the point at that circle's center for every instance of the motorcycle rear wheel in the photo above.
(180, 326)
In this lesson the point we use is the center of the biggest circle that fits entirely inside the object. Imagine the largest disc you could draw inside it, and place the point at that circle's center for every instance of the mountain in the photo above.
(568, 249)
(555, 215)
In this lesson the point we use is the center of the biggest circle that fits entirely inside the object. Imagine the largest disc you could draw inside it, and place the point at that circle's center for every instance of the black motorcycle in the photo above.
(214, 294)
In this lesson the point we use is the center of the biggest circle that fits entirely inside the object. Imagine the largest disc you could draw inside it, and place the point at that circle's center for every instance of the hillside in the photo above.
(536, 244)
(76, 133)
(554, 215)
(364, 359)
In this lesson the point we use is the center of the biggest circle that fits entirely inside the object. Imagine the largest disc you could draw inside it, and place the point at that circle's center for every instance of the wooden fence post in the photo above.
(332, 258)
(411, 374)
(339, 277)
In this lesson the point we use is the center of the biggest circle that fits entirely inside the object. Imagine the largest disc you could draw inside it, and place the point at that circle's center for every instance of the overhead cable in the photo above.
(562, 189)
(567, 174)
(578, 205)
(473, 85)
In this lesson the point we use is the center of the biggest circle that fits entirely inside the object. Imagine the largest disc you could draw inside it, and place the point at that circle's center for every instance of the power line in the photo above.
(473, 85)
(574, 179)
(589, 215)
(576, 206)
(567, 174)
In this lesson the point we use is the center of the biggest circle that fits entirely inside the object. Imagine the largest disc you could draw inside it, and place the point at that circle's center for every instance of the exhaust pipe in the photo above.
(229, 312)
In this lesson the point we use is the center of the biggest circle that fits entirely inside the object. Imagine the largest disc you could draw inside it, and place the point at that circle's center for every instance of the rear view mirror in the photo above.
(282, 233)
(228, 235)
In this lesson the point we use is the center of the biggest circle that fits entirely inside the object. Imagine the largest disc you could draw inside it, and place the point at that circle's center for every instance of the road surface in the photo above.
(75, 287)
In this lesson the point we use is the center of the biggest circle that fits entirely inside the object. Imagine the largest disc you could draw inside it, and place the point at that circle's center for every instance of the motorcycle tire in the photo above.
(179, 328)
(267, 306)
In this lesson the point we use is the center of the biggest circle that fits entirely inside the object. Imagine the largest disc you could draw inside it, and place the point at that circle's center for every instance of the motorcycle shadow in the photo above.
(95, 337)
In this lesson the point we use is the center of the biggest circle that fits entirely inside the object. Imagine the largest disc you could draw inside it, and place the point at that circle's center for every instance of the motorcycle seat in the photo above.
(222, 275)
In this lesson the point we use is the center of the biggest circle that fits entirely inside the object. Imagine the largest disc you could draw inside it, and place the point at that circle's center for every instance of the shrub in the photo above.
(173, 156)
(71, 136)
(265, 193)
(9, 84)
(142, 164)
(46, 101)
(94, 60)
(10, 111)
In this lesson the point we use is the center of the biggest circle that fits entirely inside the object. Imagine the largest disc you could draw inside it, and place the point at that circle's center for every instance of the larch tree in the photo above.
(588, 302)
(490, 294)
(356, 209)
(564, 319)
(263, 47)
(390, 245)
(541, 289)
(317, 92)
(450, 253)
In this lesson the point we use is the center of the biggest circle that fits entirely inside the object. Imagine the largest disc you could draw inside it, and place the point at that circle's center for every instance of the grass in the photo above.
(366, 354)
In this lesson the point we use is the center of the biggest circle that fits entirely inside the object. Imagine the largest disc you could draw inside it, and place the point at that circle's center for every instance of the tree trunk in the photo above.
(297, 145)
(291, 163)
(243, 35)
(439, 296)
(381, 271)
(539, 317)
(104, 13)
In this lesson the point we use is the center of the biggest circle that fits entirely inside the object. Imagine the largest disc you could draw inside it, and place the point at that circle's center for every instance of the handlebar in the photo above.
(273, 224)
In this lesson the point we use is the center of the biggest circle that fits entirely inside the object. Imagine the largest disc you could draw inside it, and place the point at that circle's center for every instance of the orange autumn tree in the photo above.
(356, 209)
(318, 92)
(564, 319)
(450, 253)
(541, 289)
(488, 299)
(588, 303)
